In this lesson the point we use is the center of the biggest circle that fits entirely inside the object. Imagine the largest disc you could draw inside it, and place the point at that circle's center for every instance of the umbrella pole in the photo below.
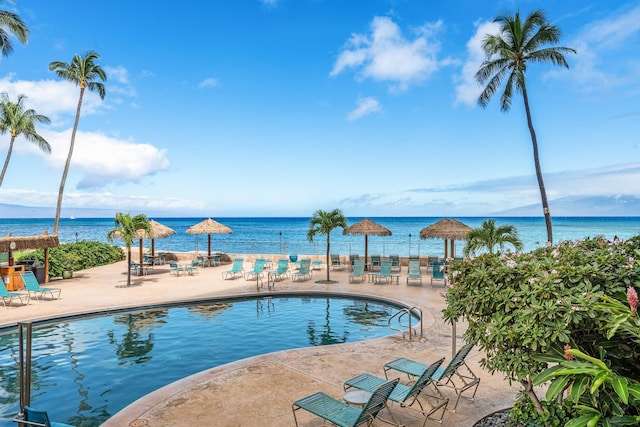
(446, 243)
(209, 244)
(366, 251)
(153, 249)
(140, 260)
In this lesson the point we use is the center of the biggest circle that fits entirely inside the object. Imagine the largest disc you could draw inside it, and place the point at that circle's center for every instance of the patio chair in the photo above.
(385, 273)
(353, 258)
(193, 268)
(316, 264)
(414, 272)
(33, 287)
(258, 270)
(175, 268)
(342, 414)
(135, 268)
(7, 296)
(36, 417)
(438, 274)
(451, 376)
(236, 269)
(358, 271)
(432, 260)
(376, 263)
(304, 272)
(336, 263)
(281, 271)
(406, 395)
(395, 263)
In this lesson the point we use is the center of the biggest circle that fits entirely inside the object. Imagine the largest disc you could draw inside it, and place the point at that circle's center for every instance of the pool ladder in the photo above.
(407, 327)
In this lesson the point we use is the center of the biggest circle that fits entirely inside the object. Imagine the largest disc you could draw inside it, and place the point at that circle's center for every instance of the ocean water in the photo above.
(288, 235)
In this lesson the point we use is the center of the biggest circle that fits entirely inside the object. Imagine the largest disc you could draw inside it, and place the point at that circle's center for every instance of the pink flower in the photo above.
(567, 356)
(632, 299)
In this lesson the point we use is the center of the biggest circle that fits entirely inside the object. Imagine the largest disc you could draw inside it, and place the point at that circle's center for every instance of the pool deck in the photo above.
(260, 390)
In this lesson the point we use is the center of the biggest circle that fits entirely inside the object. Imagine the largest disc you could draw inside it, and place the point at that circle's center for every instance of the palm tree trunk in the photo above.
(328, 257)
(128, 266)
(536, 159)
(56, 221)
(6, 161)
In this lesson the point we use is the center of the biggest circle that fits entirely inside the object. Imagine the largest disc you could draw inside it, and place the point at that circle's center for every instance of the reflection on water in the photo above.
(84, 371)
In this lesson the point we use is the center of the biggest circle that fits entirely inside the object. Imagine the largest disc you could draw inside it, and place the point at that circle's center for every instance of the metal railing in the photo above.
(407, 327)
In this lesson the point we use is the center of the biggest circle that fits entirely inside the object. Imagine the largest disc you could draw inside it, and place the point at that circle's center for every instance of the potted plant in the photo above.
(70, 264)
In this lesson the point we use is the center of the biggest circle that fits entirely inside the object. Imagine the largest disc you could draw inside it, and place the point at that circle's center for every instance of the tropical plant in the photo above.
(10, 23)
(507, 55)
(16, 120)
(126, 229)
(323, 222)
(81, 71)
(488, 236)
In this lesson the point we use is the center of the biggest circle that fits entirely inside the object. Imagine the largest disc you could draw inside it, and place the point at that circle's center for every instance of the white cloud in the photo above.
(366, 106)
(118, 82)
(102, 160)
(467, 88)
(209, 82)
(386, 55)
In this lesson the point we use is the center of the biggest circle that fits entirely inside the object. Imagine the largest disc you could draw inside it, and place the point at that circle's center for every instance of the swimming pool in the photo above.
(86, 370)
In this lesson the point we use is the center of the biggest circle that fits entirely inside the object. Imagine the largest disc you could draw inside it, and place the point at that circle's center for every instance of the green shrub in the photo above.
(553, 414)
(76, 256)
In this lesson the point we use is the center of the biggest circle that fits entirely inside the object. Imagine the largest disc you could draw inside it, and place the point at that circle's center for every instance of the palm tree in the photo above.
(10, 23)
(82, 71)
(126, 229)
(16, 120)
(488, 236)
(324, 222)
(507, 55)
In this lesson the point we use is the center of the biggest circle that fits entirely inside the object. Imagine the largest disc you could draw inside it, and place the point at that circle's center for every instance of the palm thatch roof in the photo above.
(24, 243)
(447, 228)
(158, 231)
(366, 227)
(209, 226)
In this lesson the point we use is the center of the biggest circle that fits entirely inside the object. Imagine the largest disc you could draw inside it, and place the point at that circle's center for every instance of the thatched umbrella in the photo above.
(158, 231)
(447, 229)
(209, 227)
(23, 243)
(367, 228)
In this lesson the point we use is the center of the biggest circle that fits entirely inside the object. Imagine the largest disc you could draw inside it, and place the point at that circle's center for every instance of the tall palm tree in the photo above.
(11, 24)
(82, 71)
(488, 236)
(16, 120)
(323, 222)
(520, 42)
(126, 229)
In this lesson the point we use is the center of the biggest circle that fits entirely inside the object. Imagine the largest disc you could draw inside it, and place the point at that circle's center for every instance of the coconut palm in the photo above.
(11, 24)
(126, 229)
(488, 236)
(324, 222)
(16, 120)
(520, 42)
(82, 71)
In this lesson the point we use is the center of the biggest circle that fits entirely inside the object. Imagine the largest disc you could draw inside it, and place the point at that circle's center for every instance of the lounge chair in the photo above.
(358, 271)
(438, 274)
(36, 417)
(352, 259)
(395, 263)
(376, 263)
(258, 270)
(342, 414)
(414, 272)
(451, 376)
(236, 269)
(281, 271)
(385, 273)
(406, 395)
(193, 268)
(7, 296)
(304, 272)
(33, 287)
(175, 268)
(336, 263)
(316, 264)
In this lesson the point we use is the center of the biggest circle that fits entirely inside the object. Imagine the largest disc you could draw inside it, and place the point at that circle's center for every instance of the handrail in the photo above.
(409, 328)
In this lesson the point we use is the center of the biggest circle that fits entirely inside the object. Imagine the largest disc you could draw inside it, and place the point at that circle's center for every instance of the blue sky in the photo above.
(282, 107)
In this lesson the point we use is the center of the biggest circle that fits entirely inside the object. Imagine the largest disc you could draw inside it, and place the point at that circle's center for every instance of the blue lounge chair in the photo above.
(342, 414)
(33, 287)
(414, 272)
(175, 268)
(451, 376)
(281, 271)
(7, 296)
(406, 395)
(395, 263)
(376, 263)
(316, 264)
(236, 269)
(358, 271)
(336, 263)
(193, 268)
(36, 417)
(438, 274)
(385, 273)
(258, 270)
(304, 272)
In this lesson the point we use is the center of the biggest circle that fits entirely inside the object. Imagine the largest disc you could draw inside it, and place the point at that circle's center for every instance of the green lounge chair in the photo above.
(414, 272)
(385, 273)
(7, 296)
(304, 272)
(175, 268)
(193, 268)
(406, 395)
(342, 414)
(236, 269)
(451, 376)
(376, 263)
(258, 270)
(438, 274)
(33, 287)
(36, 417)
(336, 263)
(316, 264)
(358, 271)
(395, 263)
(281, 271)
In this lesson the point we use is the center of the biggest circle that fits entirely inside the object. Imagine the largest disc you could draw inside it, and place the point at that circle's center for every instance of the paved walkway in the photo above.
(260, 390)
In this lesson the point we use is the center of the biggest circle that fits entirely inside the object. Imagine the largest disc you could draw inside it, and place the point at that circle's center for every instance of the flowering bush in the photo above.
(521, 306)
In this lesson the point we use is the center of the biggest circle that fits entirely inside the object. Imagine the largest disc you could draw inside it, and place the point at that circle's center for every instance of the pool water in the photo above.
(86, 370)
